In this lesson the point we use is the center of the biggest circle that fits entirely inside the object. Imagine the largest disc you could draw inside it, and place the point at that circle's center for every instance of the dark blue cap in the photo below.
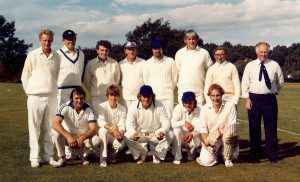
(157, 43)
(69, 34)
(146, 90)
(188, 97)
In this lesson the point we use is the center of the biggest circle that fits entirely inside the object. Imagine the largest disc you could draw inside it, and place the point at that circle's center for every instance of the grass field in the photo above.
(15, 164)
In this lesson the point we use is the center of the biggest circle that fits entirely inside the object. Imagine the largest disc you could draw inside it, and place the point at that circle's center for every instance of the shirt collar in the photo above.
(84, 106)
(210, 105)
(134, 62)
(102, 61)
(110, 107)
(258, 62)
(139, 105)
(40, 51)
(195, 111)
(222, 64)
(164, 57)
(65, 49)
(196, 49)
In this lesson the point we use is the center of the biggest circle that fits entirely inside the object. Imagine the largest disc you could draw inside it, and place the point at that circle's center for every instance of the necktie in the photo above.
(263, 70)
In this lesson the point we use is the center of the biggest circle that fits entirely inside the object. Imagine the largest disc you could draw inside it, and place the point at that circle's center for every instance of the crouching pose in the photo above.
(185, 117)
(112, 126)
(147, 123)
(79, 127)
(219, 129)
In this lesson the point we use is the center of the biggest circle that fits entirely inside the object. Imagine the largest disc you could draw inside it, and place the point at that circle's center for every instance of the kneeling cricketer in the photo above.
(76, 127)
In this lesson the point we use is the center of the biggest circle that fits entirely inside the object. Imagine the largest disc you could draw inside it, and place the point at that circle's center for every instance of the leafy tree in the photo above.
(279, 53)
(145, 33)
(12, 50)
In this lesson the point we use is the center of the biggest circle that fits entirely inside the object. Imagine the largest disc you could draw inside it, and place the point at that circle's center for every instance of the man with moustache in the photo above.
(161, 74)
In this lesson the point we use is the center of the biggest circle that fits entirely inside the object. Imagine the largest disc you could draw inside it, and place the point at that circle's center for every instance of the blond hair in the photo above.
(46, 32)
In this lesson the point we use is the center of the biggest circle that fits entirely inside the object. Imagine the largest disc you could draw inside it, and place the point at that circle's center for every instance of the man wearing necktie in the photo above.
(261, 82)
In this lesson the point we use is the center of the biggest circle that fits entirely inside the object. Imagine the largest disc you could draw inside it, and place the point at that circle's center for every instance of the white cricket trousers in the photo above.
(41, 112)
(95, 102)
(63, 96)
(169, 106)
(127, 103)
(208, 159)
(109, 140)
(178, 142)
(60, 143)
(199, 97)
(160, 147)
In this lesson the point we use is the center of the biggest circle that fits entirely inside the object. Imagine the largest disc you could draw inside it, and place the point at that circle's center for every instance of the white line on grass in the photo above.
(285, 131)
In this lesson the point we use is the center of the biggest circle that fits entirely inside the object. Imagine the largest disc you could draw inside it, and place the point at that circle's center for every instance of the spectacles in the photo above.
(220, 55)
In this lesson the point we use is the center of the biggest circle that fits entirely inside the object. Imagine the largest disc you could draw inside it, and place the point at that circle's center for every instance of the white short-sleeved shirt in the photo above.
(76, 124)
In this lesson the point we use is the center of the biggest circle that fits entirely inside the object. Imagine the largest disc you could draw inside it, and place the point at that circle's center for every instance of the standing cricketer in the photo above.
(100, 73)
(192, 62)
(71, 67)
(70, 72)
(161, 74)
(131, 73)
(39, 80)
(226, 75)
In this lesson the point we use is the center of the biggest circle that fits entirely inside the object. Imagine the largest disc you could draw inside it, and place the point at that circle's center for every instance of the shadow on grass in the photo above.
(286, 150)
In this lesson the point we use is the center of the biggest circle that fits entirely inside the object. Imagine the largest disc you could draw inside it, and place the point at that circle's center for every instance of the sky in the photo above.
(238, 21)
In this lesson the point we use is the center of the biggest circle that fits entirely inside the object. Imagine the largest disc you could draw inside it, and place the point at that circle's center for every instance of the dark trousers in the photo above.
(263, 106)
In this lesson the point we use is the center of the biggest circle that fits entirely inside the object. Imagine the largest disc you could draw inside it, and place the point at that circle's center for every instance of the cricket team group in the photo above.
(203, 123)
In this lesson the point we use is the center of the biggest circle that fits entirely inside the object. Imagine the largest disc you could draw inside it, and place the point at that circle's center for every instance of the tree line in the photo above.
(13, 50)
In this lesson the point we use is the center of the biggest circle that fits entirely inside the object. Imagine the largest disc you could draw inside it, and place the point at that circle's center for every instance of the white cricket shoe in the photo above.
(228, 163)
(156, 160)
(103, 164)
(56, 164)
(177, 162)
(85, 161)
(143, 156)
(35, 164)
